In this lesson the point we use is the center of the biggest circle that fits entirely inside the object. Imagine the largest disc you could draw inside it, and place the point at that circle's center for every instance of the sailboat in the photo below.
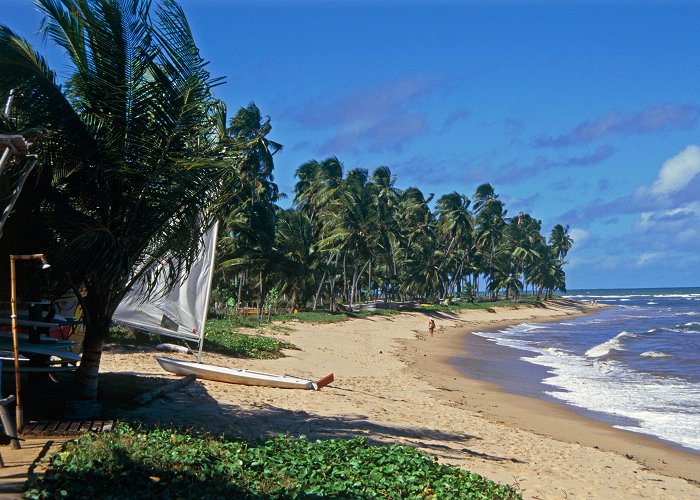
(240, 375)
(182, 313)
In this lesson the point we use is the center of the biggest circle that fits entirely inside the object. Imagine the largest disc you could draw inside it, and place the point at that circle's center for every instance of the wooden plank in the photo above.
(40, 427)
(85, 426)
(29, 429)
(62, 427)
(51, 426)
(73, 427)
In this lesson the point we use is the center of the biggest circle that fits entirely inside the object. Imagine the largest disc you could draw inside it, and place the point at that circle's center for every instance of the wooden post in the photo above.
(19, 416)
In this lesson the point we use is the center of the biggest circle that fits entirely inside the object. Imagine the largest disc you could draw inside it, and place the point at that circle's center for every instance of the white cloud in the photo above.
(675, 219)
(579, 235)
(645, 220)
(648, 257)
(677, 172)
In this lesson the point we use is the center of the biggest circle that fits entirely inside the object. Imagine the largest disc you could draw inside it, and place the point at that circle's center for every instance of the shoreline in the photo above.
(550, 418)
(394, 384)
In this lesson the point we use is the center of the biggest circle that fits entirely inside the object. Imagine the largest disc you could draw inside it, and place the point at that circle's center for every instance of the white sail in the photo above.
(181, 313)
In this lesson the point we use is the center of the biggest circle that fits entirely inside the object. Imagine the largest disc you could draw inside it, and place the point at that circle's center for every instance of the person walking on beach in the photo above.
(431, 326)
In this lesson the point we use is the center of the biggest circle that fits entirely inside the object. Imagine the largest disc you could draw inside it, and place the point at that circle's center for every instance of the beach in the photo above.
(395, 383)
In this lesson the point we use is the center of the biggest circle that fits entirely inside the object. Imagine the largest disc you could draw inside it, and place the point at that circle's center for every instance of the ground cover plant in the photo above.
(224, 338)
(221, 337)
(165, 463)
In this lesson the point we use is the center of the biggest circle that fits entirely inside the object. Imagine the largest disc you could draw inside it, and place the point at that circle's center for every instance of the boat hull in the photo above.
(234, 375)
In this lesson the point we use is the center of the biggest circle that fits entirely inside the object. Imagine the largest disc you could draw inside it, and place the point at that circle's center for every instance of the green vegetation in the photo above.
(137, 159)
(131, 159)
(351, 238)
(165, 463)
(222, 338)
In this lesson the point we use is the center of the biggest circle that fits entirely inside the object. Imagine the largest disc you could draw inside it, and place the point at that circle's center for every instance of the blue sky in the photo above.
(584, 113)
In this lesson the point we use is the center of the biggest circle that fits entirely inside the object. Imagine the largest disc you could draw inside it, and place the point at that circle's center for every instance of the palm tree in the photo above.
(317, 191)
(317, 186)
(483, 195)
(561, 241)
(418, 250)
(490, 223)
(385, 199)
(249, 228)
(522, 235)
(255, 163)
(455, 226)
(127, 177)
(351, 229)
(294, 240)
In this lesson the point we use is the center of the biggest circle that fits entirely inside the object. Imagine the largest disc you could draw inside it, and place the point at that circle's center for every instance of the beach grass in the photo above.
(167, 463)
(221, 337)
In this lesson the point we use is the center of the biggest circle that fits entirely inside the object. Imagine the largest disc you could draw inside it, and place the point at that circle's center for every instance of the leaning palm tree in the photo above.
(126, 178)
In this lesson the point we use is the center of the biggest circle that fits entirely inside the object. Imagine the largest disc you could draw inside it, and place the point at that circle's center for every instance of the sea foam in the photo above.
(605, 348)
(655, 354)
(648, 404)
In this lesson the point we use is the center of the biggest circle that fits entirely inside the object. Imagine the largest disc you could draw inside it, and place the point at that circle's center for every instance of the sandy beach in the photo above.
(394, 383)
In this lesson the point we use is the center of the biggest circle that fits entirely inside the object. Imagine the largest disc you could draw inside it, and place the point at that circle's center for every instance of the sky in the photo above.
(580, 113)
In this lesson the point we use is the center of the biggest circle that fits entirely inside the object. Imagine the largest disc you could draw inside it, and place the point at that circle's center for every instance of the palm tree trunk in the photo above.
(369, 279)
(86, 378)
(240, 291)
(345, 277)
(98, 318)
(332, 293)
(355, 277)
(320, 288)
(261, 305)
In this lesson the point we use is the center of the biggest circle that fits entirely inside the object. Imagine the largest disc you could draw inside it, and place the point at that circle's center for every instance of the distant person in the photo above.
(431, 326)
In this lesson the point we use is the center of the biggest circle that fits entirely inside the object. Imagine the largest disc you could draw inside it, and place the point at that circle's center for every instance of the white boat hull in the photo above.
(236, 375)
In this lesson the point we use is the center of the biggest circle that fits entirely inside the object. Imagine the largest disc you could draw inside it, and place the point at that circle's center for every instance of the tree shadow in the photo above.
(194, 408)
(129, 478)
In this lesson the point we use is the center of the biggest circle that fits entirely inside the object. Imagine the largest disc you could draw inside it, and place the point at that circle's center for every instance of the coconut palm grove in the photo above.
(137, 159)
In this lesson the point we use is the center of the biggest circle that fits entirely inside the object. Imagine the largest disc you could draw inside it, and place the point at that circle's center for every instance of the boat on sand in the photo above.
(240, 375)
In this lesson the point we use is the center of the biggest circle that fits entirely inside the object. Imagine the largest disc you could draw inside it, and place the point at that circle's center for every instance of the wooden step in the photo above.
(66, 427)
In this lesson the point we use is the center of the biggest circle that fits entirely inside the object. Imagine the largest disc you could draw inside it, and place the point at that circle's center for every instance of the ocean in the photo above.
(635, 366)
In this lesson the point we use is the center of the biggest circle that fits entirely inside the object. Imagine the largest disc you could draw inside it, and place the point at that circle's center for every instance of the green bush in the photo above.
(164, 463)
(221, 337)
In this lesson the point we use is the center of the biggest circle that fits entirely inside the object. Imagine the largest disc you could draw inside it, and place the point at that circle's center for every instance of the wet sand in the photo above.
(536, 414)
